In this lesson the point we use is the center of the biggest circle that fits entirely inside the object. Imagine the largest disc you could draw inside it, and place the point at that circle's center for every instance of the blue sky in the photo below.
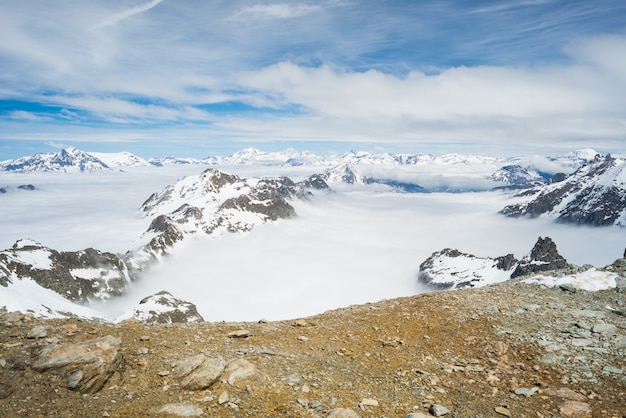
(197, 78)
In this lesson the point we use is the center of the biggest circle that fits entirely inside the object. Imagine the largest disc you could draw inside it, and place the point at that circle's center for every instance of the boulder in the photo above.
(199, 372)
(86, 366)
(163, 308)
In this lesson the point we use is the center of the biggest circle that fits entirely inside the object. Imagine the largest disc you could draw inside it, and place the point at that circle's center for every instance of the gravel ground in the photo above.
(506, 350)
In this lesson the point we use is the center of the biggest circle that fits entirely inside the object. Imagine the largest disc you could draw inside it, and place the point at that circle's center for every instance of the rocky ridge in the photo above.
(509, 349)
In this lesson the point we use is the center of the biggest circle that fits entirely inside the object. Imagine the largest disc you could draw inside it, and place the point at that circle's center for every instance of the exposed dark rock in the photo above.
(506, 262)
(543, 257)
(86, 366)
(26, 187)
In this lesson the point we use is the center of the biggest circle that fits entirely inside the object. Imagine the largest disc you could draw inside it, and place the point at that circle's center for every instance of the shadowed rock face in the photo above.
(86, 367)
(543, 257)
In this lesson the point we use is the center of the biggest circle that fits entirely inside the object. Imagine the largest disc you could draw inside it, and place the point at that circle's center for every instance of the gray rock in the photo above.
(604, 329)
(86, 366)
(241, 370)
(612, 370)
(568, 287)
(438, 410)
(180, 410)
(620, 283)
(199, 372)
(39, 331)
(527, 392)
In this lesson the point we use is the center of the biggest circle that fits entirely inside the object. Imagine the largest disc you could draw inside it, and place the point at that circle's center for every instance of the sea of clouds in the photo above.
(351, 246)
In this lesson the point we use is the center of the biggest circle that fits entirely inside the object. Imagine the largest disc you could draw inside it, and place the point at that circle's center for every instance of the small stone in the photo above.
(527, 392)
(180, 410)
(612, 370)
(417, 415)
(368, 402)
(503, 411)
(69, 330)
(143, 350)
(39, 331)
(299, 323)
(223, 398)
(567, 287)
(242, 333)
(342, 413)
(302, 338)
(604, 329)
(581, 342)
(565, 393)
(438, 410)
(575, 409)
(144, 338)
(305, 389)
(164, 373)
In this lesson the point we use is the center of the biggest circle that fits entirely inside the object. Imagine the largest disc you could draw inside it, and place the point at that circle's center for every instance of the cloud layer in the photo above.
(533, 73)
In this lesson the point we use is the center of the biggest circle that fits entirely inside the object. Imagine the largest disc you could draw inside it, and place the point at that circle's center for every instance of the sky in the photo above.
(194, 78)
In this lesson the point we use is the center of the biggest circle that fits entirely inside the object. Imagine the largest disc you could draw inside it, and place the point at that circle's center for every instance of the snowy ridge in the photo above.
(69, 160)
(595, 194)
(162, 307)
(452, 269)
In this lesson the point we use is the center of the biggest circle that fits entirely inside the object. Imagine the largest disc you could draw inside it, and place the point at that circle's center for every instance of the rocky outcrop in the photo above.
(542, 258)
(163, 308)
(79, 276)
(595, 195)
(86, 366)
(516, 176)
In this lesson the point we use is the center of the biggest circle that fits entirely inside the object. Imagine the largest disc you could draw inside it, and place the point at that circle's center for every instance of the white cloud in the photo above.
(118, 17)
(274, 11)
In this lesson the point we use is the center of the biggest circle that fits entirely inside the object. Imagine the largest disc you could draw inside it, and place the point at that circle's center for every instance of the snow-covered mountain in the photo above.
(215, 202)
(595, 194)
(67, 160)
(518, 176)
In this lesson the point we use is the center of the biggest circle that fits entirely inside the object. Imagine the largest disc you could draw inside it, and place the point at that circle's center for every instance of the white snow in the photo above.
(38, 258)
(590, 280)
(26, 295)
(481, 271)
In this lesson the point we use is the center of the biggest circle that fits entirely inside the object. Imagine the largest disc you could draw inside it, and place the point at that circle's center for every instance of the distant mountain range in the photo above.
(400, 172)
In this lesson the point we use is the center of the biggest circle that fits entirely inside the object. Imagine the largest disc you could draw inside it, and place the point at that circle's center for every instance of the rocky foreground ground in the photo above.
(511, 349)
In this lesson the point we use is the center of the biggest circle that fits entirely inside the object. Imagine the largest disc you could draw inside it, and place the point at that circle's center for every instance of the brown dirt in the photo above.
(466, 350)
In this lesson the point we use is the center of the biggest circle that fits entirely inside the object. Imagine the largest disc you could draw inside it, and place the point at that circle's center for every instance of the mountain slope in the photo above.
(595, 194)
(215, 202)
